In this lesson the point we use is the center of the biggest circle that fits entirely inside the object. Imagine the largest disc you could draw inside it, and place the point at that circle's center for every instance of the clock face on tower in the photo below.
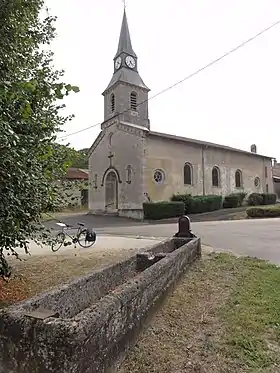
(130, 61)
(118, 63)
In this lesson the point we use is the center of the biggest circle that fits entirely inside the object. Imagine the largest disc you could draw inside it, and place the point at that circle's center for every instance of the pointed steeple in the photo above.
(126, 61)
(125, 45)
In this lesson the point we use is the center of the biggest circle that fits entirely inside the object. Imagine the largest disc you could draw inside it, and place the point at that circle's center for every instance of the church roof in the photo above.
(125, 45)
(203, 143)
(127, 76)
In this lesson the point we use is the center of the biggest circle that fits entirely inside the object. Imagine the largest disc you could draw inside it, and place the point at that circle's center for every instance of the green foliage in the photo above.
(208, 203)
(30, 91)
(257, 199)
(269, 198)
(186, 198)
(81, 158)
(233, 200)
(163, 210)
(263, 211)
(198, 204)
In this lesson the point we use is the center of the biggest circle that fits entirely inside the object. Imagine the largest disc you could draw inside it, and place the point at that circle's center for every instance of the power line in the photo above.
(186, 78)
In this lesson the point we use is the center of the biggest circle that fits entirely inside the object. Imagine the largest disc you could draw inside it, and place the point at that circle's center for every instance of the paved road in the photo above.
(260, 238)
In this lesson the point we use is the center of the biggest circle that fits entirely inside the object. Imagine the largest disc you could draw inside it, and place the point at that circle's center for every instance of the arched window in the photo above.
(238, 179)
(188, 174)
(112, 102)
(95, 181)
(128, 174)
(133, 101)
(110, 138)
(215, 176)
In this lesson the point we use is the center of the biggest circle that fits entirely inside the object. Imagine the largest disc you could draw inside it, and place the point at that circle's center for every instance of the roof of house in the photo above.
(77, 174)
(204, 143)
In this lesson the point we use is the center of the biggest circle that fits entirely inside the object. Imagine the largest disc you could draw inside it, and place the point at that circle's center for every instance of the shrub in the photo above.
(233, 200)
(263, 211)
(269, 198)
(242, 196)
(163, 210)
(198, 204)
(186, 198)
(257, 199)
(202, 204)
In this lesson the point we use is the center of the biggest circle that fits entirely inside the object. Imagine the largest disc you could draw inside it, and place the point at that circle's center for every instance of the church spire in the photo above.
(126, 61)
(125, 45)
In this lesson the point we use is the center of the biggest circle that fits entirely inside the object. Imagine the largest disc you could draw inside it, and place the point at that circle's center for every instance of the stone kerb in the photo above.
(97, 337)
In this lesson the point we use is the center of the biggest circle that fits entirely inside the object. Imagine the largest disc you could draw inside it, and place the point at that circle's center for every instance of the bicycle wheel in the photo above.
(59, 240)
(82, 239)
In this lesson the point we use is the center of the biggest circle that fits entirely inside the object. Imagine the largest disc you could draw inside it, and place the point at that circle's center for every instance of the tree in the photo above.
(81, 159)
(30, 117)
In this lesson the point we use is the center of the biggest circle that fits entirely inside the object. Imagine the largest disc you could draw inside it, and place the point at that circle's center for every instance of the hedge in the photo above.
(185, 198)
(263, 212)
(233, 200)
(257, 199)
(163, 210)
(198, 204)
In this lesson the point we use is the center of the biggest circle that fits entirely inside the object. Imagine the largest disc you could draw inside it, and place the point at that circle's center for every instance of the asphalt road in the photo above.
(258, 238)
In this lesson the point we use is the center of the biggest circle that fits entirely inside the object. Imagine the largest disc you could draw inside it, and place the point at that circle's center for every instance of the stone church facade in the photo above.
(130, 164)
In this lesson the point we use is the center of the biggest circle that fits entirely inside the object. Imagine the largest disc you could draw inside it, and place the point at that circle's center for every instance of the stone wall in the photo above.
(95, 318)
(170, 156)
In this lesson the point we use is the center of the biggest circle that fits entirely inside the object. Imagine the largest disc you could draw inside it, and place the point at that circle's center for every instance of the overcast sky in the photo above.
(235, 102)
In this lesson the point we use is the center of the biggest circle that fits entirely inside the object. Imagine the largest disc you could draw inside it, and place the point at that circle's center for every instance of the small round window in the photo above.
(257, 182)
(159, 176)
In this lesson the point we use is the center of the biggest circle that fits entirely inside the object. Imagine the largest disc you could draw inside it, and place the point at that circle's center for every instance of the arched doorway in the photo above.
(111, 191)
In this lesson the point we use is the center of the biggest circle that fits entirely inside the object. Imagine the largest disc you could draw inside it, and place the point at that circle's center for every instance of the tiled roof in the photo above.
(76, 174)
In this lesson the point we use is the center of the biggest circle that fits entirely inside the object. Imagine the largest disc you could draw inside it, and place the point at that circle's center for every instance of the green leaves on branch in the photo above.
(31, 163)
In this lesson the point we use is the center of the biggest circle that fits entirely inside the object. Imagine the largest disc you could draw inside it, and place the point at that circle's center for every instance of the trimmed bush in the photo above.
(269, 198)
(208, 203)
(163, 210)
(198, 204)
(234, 200)
(257, 199)
(263, 211)
(186, 198)
(231, 201)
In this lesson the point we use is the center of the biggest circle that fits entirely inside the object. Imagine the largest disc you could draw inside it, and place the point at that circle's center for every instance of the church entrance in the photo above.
(111, 191)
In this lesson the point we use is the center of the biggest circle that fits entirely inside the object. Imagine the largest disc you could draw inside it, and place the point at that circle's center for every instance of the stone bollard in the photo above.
(184, 228)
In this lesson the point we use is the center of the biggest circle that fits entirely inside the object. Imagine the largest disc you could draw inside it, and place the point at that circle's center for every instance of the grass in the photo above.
(39, 273)
(223, 317)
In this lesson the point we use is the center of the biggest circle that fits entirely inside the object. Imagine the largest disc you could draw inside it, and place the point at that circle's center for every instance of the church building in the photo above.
(130, 164)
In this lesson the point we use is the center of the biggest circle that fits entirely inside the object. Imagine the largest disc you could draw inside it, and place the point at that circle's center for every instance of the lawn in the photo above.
(223, 317)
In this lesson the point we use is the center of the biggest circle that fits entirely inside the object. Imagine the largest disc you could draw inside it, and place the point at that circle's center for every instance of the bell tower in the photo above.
(126, 96)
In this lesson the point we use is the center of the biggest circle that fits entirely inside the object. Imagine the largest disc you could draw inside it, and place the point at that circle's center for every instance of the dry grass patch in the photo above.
(40, 273)
(223, 317)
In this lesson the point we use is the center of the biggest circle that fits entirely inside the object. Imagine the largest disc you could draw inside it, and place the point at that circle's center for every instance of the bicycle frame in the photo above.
(74, 238)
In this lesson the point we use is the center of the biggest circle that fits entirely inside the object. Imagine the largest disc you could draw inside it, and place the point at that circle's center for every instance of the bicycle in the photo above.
(84, 237)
